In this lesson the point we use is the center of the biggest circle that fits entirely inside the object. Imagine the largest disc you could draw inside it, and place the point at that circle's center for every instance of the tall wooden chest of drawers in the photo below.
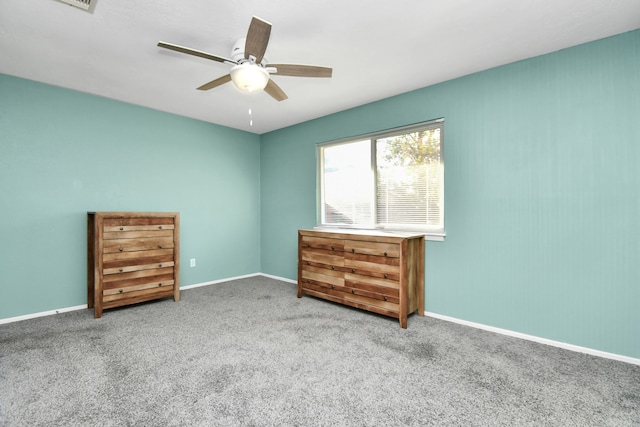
(132, 257)
(371, 270)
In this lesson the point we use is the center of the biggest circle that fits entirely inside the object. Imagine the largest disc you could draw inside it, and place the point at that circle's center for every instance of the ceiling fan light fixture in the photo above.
(249, 77)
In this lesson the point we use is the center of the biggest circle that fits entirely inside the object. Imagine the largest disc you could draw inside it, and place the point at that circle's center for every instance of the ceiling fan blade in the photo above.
(274, 90)
(195, 52)
(215, 83)
(257, 39)
(301, 70)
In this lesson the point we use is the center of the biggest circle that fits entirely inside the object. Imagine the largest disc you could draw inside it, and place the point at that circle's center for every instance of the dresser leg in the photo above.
(97, 305)
(403, 322)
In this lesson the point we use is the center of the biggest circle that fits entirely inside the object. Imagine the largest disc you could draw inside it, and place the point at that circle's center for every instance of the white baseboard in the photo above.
(213, 282)
(41, 314)
(501, 331)
(546, 341)
(282, 279)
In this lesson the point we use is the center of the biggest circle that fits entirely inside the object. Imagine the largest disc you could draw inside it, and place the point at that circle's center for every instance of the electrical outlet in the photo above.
(192, 262)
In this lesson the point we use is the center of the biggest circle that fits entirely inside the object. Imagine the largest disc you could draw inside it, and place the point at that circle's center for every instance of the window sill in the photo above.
(430, 236)
(435, 237)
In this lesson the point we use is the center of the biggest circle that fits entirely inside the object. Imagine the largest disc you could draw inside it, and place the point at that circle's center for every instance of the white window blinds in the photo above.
(392, 180)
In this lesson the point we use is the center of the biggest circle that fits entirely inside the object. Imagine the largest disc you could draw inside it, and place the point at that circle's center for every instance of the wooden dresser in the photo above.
(132, 257)
(382, 272)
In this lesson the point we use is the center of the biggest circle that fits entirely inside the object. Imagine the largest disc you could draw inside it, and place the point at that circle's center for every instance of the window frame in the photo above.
(431, 234)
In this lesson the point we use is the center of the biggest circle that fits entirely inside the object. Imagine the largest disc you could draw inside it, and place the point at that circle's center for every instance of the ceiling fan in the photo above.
(250, 71)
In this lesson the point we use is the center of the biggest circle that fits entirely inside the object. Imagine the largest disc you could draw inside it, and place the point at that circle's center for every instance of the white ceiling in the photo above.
(376, 48)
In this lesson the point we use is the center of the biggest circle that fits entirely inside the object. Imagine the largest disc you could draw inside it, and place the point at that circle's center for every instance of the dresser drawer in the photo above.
(321, 276)
(375, 302)
(131, 222)
(383, 268)
(379, 249)
(129, 244)
(129, 266)
(321, 258)
(155, 289)
(386, 286)
(137, 257)
(323, 243)
(130, 290)
(132, 295)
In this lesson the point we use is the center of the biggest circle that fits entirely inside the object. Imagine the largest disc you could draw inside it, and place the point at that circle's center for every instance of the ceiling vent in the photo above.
(87, 5)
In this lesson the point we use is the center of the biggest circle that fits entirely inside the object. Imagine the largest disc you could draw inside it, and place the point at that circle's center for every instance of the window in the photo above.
(390, 180)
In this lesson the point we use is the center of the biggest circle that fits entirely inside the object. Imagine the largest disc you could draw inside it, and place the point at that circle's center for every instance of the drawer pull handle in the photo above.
(353, 291)
(160, 227)
(332, 267)
(121, 228)
(385, 298)
(332, 248)
(159, 265)
(159, 284)
(353, 251)
(121, 270)
(308, 245)
(353, 270)
(308, 262)
(333, 286)
(121, 249)
(120, 291)
(385, 276)
(160, 246)
(385, 254)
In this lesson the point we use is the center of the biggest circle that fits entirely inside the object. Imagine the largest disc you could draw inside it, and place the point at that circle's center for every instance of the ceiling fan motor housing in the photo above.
(237, 52)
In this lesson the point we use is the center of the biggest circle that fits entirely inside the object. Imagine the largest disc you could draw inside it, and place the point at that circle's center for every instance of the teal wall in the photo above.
(542, 193)
(63, 153)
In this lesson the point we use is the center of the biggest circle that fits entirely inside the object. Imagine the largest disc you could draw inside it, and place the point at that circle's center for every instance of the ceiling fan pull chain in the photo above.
(250, 118)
